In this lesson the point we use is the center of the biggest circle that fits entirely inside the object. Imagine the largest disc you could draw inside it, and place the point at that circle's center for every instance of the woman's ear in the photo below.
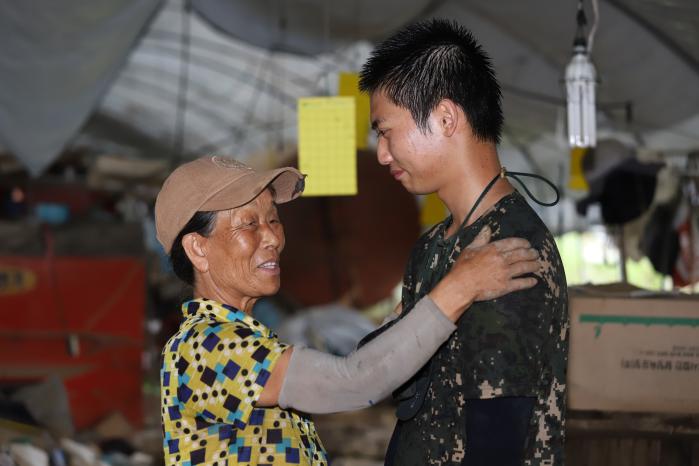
(448, 116)
(194, 246)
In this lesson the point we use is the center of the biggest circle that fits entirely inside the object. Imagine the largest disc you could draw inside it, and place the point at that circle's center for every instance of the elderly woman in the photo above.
(232, 393)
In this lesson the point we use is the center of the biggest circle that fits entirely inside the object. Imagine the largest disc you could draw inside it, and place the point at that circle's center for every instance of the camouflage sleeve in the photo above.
(548, 421)
(548, 418)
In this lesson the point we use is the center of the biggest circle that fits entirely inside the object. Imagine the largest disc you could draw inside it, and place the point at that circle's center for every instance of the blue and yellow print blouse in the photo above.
(214, 369)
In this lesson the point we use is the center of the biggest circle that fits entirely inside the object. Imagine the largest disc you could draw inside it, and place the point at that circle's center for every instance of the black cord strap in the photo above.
(539, 177)
(515, 175)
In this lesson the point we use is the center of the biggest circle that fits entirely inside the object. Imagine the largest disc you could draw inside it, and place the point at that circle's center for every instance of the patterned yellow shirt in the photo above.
(214, 369)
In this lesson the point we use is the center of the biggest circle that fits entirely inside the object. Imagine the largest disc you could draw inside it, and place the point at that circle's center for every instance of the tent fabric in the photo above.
(241, 95)
(56, 61)
(230, 84)
(308, 27)
(530, 50)
(672, 22)
(237, 99)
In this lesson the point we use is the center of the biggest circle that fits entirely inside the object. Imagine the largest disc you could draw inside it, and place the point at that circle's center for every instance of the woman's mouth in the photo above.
(271, 267)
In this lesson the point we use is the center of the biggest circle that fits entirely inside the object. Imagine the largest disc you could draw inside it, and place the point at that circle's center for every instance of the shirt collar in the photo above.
(222, 312)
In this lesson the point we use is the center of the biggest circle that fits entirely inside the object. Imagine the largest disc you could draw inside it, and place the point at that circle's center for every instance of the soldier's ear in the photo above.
(448, 116)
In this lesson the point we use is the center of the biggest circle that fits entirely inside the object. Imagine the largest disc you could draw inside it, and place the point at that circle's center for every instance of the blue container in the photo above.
(52, 213)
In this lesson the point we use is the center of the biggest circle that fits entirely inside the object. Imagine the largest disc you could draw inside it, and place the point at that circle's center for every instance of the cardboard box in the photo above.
(633, 351)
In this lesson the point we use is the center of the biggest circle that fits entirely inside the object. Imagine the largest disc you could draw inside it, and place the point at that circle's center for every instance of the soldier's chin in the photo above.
(418, 190)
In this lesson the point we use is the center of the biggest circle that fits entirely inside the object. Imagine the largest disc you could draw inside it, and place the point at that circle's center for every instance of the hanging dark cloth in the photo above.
(660, 241)
(622, 185)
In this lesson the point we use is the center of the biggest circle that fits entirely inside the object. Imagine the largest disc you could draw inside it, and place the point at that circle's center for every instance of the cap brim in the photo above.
(288, 184)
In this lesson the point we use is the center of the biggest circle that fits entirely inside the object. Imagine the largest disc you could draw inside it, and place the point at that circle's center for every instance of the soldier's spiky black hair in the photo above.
(428, 61)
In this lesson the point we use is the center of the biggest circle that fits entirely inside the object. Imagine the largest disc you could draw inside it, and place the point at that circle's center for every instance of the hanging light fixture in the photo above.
(580, 78)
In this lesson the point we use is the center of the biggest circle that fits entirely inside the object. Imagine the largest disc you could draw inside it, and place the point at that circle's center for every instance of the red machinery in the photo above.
(79, 318)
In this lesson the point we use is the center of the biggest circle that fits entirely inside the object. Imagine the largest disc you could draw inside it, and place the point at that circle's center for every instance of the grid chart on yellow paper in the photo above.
(327, 145)
(348, 85)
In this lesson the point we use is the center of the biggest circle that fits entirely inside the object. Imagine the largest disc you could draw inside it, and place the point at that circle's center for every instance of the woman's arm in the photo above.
(316, 382)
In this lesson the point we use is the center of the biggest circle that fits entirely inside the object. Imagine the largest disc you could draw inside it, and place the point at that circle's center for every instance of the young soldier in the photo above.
(494, 394)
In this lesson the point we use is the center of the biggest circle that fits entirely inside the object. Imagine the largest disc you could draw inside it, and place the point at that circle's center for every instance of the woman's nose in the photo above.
(272, 234)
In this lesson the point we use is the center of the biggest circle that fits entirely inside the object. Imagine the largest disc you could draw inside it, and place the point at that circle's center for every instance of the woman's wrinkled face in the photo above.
(244, 248)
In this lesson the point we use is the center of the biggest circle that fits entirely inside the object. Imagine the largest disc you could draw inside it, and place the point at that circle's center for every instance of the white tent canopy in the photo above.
(57, 59)
(187, 86)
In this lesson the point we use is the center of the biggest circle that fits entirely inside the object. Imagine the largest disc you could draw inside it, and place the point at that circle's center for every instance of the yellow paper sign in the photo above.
(327, 152)
(349, 86)
(577, 179)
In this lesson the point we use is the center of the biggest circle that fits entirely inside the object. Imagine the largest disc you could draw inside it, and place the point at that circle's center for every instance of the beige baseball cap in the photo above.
(216, 183)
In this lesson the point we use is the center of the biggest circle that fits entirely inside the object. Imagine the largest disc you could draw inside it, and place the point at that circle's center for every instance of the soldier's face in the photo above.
(413, 156)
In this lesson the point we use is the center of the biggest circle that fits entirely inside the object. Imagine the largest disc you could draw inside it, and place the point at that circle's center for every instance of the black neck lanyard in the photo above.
(441, 242)
(515, 175)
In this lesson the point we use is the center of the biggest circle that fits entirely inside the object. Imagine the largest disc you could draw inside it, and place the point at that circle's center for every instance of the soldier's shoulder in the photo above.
(517, 218)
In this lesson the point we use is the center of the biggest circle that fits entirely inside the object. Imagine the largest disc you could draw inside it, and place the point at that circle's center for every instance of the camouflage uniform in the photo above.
(514, 346)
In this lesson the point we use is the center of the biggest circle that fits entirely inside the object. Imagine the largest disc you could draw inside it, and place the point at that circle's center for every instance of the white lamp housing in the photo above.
(580, 85)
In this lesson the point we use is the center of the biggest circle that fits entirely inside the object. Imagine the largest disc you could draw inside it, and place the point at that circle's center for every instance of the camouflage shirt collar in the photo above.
(442, 227)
